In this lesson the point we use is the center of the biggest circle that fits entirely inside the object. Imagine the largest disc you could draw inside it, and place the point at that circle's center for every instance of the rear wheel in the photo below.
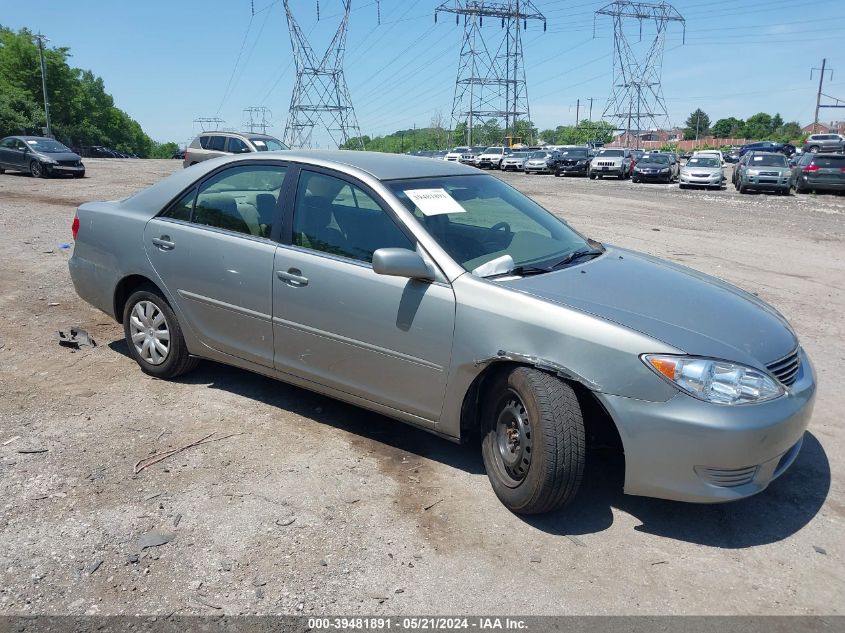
(534, 441)
(592, 176)
(153, 334)
(813, 149)
(682, 186)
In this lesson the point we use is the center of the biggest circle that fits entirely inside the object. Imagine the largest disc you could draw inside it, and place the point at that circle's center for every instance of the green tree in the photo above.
(81, 111)
(697, 125)
(549, 136)
(790, 131)
(728, 128)
(758, 126)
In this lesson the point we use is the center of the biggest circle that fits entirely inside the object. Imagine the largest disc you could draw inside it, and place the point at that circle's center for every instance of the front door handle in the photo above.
(164, 243)
(292, 277)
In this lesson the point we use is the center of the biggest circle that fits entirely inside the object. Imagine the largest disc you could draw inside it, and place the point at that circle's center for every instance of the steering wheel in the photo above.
(501, 226)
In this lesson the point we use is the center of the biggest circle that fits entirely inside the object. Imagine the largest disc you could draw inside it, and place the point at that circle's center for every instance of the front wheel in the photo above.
(592, 176)
(37, 170)
(740, 186)
(534, 445)
(153, 334)
(813, 149)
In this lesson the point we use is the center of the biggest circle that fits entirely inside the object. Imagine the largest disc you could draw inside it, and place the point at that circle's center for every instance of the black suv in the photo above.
(768, 146)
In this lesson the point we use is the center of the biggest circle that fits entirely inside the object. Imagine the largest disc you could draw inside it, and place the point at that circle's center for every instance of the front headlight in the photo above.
(664, 170)
(49, 161)
(717, 381)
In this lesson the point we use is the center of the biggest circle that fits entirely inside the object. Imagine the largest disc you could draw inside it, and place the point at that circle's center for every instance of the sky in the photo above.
(169, 63)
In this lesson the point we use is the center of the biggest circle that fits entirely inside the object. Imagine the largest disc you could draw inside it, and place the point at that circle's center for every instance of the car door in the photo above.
(213, 250)
(338, 323)
(6, 149)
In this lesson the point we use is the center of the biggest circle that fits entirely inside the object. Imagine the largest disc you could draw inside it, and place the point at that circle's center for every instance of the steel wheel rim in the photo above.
(149, 332)
(35, 169)
(512, 439)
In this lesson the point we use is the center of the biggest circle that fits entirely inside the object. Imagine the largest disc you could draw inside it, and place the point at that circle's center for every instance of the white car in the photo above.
(491, 158)
(711, 152)
(455, 155)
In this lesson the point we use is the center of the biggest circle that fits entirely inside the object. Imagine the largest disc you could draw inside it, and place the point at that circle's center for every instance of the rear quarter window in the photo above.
(204, 140)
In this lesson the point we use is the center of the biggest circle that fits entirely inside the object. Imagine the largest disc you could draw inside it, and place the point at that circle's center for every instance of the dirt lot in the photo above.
(313, 506)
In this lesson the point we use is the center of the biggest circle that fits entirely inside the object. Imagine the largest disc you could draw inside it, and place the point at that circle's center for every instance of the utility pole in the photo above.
(819, 93)
(41, 40)
(637, 69)
(491, 73)
(577, 113)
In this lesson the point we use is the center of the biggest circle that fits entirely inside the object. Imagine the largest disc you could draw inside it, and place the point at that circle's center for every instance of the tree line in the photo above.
(761, 126)
(81, 111)
(488, 133)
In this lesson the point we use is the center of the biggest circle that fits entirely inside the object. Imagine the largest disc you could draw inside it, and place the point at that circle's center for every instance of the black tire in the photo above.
(799, 188)
(82, 175)
(740, 187)
(635, 180)
(681, 186)
(557, 174)
(592, 176)
(813, 149)
(37, 170)
(545, 464)
(2, 171)
(176, 361)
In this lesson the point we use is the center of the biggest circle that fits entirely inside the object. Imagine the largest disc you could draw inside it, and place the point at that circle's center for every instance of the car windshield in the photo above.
(493, 150)
(477, 219)
(268, 144)
(478, 150)
(611, 152)
(539, 154)
(519, 154)
(460, 150)
(703, 161)
(46, 145)
(574, 153)
(658, 159)
(772, 160)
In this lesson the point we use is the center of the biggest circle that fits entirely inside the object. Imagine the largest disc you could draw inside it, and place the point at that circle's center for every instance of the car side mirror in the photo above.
(401, 262)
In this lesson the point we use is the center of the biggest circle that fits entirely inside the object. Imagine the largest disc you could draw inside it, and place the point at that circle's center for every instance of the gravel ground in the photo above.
(306, 505)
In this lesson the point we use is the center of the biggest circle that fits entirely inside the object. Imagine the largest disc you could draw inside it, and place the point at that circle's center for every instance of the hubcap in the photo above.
(36, 169)
(149, 332)
(513, 438)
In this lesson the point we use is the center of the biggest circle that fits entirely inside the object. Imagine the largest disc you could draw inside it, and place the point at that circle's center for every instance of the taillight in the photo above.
(811, 167)
(74, 228)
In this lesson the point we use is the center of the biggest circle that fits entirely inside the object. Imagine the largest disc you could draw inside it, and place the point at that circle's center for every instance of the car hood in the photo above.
(59, 155)
(778, 168)
(706, 170)
(691, 311)
(646, 165)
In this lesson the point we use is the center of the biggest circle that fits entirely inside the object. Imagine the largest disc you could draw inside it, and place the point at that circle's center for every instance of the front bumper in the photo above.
(508, 166)
(652, 177)
(58, 170)
(701, 181)
(768, 182)
(487, 163)
(540, 169)
(685, 449)
(821, 185)
(574, 169)
(606, 171)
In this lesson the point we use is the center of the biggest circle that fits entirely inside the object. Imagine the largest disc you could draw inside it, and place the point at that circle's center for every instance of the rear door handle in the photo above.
(164, 243)
(292, 277)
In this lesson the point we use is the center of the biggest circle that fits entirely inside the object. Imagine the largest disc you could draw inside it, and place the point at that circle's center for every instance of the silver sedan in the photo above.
(702, 171)
(440, 296)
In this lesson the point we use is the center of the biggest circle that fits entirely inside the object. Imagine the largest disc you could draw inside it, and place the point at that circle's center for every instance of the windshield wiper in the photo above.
(576, 255)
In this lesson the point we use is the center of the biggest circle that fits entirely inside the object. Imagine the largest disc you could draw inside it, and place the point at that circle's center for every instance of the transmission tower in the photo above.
(256, 119)
(207, 123)
(491, 75)
(636, 99)
(320, 96)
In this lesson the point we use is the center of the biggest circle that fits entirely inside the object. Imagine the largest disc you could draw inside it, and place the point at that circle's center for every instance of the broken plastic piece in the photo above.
(75, 338)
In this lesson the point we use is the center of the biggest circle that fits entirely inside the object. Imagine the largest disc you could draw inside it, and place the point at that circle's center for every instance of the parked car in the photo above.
(178, 154)
(820, 172)
(440, 296)
(440, 154)
(824, 143)
(541, 162)
(711, 152)
(215, 144)
(702, 171)
(611, 162)
(574, 160)
(637, 154)
(455, 155)
(685, 155)
(767, 146)
(655, 168)
(514, 160)
(491, 157)
(42, 157)
(764, 171)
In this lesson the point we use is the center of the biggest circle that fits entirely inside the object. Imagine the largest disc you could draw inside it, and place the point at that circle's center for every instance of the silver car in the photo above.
(702, 171)
(215, 144)
(514, 160)
(438, 295)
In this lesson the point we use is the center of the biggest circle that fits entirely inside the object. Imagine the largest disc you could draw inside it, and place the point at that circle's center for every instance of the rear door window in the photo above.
(237, 146)
(217, 143)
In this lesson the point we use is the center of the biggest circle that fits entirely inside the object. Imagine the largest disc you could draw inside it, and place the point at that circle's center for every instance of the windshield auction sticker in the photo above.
(434, 201)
